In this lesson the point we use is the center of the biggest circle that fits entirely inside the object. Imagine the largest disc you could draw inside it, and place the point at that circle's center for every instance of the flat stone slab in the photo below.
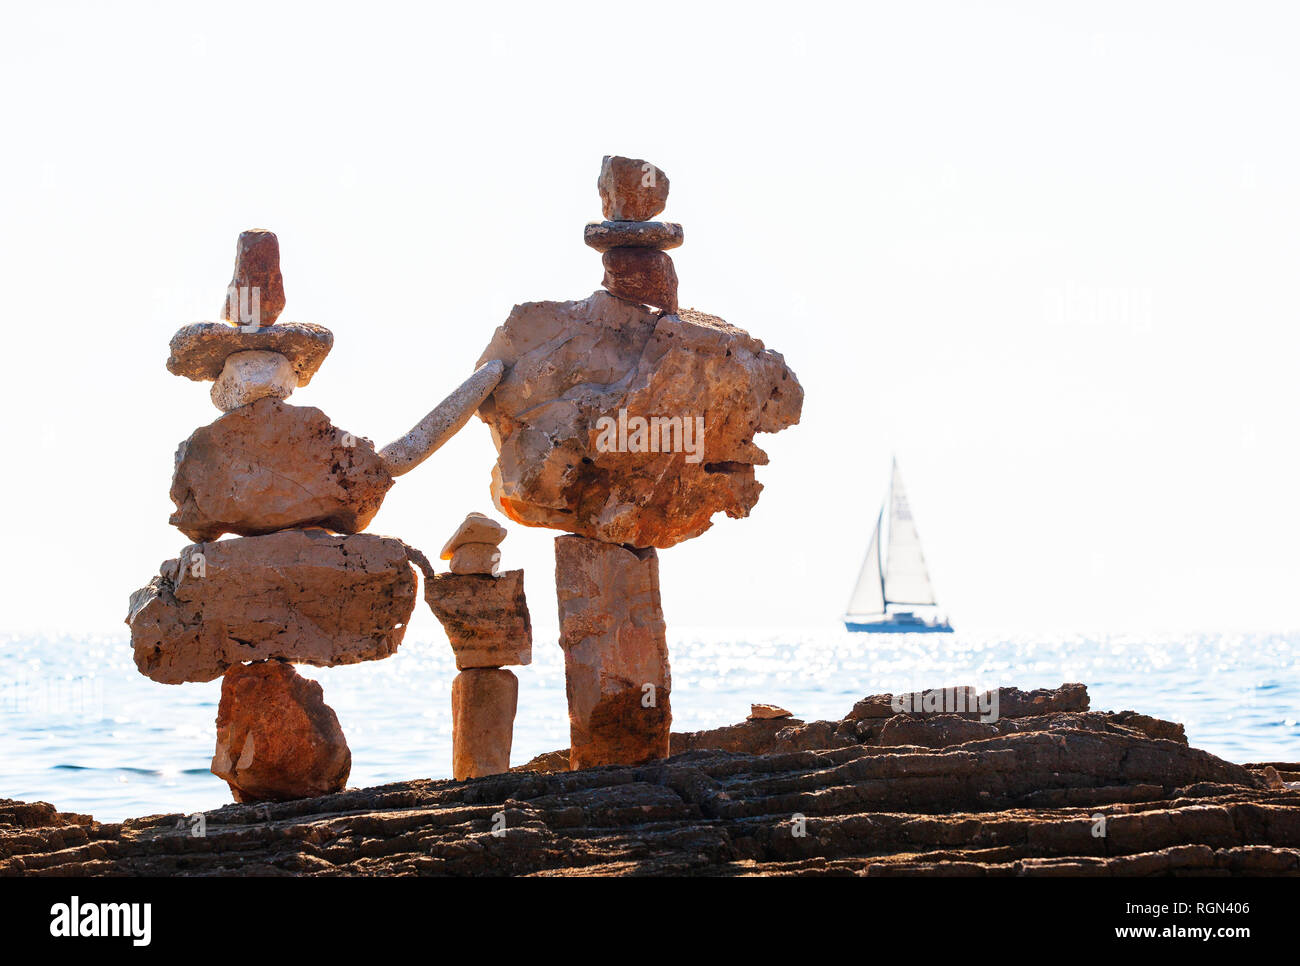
(604, 235)
(485, 617)
(270, 466)
(199, 350)
(304, 596)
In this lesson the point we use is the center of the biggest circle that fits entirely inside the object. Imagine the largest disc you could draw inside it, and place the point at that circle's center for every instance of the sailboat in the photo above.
(894, 574)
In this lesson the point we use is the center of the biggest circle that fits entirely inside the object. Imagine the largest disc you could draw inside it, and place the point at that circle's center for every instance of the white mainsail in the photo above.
(907, 581)
(894, 571)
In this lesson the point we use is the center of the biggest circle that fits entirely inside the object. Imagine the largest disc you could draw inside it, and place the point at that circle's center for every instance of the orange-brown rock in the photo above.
(277, 739)
(485, 617)
(199, 351)
(299, 595)
(269, 466)
(615, 652)
(766, 712)
(576, 366)
(483, 702)
(641, 275)
(255, 295)
(631, 189)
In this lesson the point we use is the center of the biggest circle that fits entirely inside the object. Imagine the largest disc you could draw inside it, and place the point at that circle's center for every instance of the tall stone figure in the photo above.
(299, 583)
(627, 422)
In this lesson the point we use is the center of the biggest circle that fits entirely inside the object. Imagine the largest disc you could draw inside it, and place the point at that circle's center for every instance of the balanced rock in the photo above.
(299, 595)
(277, 739)
(199, 351)
(476, 528)
(483, 703)
(269, 466)
(567, 419)
(475, 558)
(486, 618)
(631, 189)
(615, 652)
(249, 376)
(604, 235)
(641, 275)
(766, 712)
(255, 295)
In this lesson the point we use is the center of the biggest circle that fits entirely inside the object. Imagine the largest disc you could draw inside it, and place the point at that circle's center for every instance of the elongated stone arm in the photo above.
(445, 421)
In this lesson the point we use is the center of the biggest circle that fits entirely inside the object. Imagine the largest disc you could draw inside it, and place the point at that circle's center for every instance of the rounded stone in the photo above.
(249, 376)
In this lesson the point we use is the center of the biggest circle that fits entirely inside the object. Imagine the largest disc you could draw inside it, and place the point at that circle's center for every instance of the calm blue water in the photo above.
(81, 728)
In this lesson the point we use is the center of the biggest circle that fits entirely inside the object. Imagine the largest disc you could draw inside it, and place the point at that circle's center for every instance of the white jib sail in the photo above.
(868, 596)
(907, 581)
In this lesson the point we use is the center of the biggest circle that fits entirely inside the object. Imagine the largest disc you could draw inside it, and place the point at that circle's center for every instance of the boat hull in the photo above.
(891, 626)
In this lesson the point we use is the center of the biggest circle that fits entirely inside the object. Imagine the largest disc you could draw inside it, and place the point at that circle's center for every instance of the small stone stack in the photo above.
(285, 589)
(637, 266)
(486, 619)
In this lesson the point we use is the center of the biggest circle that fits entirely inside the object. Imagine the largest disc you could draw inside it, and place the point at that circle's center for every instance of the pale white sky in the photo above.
(1044, 253)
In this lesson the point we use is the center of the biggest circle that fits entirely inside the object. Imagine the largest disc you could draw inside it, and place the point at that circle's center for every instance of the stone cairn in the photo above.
(627, 423)
(633, 247)
(486, 620)
(298, 582)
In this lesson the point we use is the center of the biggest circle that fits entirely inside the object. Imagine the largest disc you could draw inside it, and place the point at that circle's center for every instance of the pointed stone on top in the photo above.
(255, 295)
(476, 528)
(631, 189)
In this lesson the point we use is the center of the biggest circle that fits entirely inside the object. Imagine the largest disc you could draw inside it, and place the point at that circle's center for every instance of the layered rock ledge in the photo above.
(1028, 800)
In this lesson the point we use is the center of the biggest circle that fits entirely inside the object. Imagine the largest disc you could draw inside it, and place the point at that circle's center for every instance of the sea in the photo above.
(82, 729)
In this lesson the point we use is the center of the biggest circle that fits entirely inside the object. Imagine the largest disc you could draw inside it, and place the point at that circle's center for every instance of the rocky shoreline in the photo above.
(1048, 788)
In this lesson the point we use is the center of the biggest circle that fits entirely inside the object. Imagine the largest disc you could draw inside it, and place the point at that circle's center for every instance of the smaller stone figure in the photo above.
(486, 619)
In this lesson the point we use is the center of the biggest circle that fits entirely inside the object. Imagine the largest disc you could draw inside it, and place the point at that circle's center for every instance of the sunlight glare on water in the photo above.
(82, 729)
